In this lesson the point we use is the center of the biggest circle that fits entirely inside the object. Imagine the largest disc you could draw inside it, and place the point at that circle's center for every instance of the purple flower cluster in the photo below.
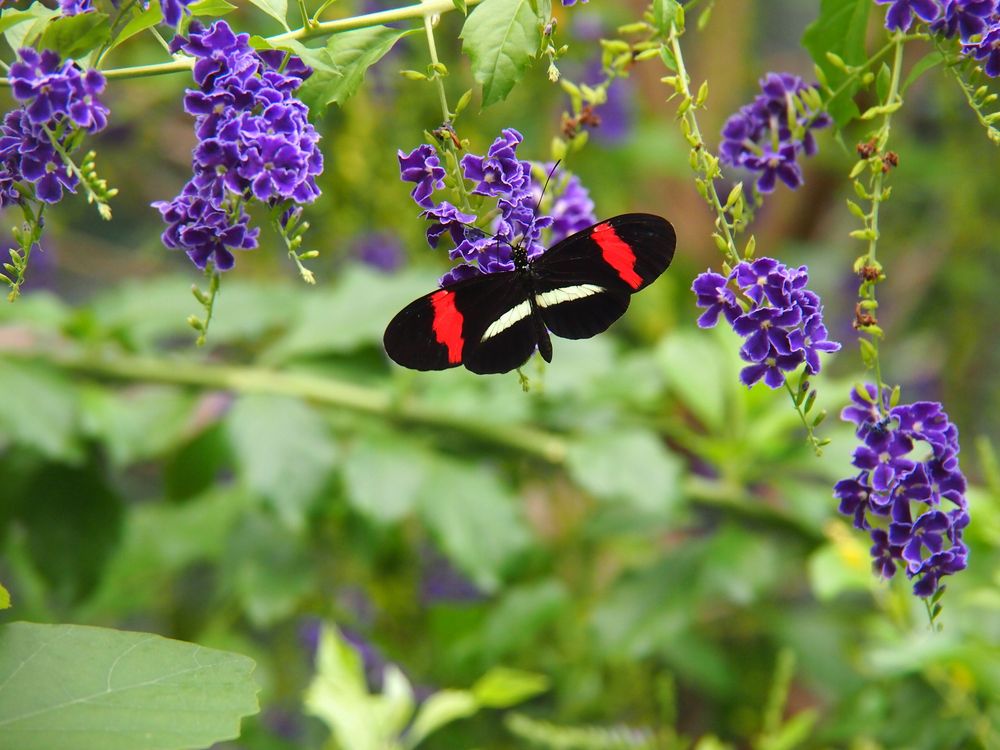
(921, 530)
(57, 97)
(173, 10)
(254, 142)
(768, 304)
(502, 176)
(767, 135)
(975, 22)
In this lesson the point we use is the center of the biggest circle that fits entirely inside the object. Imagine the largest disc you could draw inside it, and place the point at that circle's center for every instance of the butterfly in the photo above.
(576, 289)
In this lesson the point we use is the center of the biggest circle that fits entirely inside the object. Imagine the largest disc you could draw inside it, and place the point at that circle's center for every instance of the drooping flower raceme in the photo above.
(767, 135)
(515, 185)
(768, 304)
(57, 100)
(909, 493)
(254, 143)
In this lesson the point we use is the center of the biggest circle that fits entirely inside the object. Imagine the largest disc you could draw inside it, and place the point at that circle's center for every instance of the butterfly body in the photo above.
(494, 322)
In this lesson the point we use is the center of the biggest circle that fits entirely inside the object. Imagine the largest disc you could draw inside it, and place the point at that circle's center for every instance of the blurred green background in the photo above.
(656, 540)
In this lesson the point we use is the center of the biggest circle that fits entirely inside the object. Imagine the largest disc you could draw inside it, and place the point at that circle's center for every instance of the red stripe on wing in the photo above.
(617, 254)
(448, 324)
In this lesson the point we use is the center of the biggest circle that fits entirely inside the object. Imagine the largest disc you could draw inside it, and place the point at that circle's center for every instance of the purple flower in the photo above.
(901, 12)
(768, 304)
(423, 167)
(75, 7)
(204, 231)
(988, 49)
(255, 143)
(570, 3)
(51, 90)
(903, 481)
(767, 135)
(380, 250)
(963, 17)
(500, 175)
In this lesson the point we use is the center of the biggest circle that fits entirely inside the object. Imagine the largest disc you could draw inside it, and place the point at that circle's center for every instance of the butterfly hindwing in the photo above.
(504, 331)
(578, 310)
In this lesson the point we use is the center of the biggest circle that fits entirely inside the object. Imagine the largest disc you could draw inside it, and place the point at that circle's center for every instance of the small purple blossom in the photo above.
(516, 185)
(900, 14)
(380, 250)
(75, 7)
(570, 3)
(987, 49)
(767, 135)
(255, 143)
(910, 478)
(768, 304)
(963, 17)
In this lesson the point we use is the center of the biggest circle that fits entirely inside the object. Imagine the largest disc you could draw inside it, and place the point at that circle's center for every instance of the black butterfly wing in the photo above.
(583, 284)
(452, 326)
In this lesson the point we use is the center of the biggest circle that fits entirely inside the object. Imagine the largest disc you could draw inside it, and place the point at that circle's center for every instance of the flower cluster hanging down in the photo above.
(58, 101)
(768, 304)
(516, 186)
(767, 135)
(909, 493)
(255, 142)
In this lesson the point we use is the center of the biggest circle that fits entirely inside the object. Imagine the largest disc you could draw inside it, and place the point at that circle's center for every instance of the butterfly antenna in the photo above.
(548, 179)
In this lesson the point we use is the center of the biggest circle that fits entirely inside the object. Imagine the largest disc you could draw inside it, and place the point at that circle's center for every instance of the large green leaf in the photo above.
(475, 519)
(632, 466)
(350, 55)
(21, 28)
(42, 412)
(68, 686)
(144, 19)
(75, 36)
(501, 37)
(383, 475)
(840, 29)
(284, 452)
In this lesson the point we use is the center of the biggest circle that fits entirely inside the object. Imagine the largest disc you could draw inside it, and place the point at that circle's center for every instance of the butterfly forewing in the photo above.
(579, 310)
(628, 252)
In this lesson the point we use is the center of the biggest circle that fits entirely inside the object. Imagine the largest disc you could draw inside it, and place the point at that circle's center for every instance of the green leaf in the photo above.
(840, 567)
(339, 696)
(461, 7)
(283, 450)
(925, 63)
(40, 411)
(144, 19)
(440, 709)
(840, 28)
(633, 466)
(4, 598)
(277, 9)
(21, 28)
(383, 475)
(140, 424)
(882, 82)
(475, 519)
(501, 37)
(268, 568)
(211, 8)
(75, 36)
(502, 687)
(350, 55)
(69, 686)
(665, 14)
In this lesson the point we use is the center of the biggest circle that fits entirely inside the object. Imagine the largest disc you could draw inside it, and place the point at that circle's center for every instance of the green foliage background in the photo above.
(656, 540)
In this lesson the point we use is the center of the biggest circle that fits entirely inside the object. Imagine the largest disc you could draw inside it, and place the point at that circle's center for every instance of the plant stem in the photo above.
(439, 84)
(326, 28)
(701, 155)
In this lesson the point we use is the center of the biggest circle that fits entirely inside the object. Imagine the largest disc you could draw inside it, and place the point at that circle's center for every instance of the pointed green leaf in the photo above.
(75, 36)
(4, 598)
(141, 21)
(350, 55)
(277, 9)
(840, 29)
(68, 686)
(501, 37)
(211, 8)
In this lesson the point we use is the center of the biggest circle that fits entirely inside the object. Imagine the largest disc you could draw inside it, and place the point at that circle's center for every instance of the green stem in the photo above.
(876, 190)
(306, 21)
(701, 154)
(797, 403)
(439, 84)
(326, 28)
